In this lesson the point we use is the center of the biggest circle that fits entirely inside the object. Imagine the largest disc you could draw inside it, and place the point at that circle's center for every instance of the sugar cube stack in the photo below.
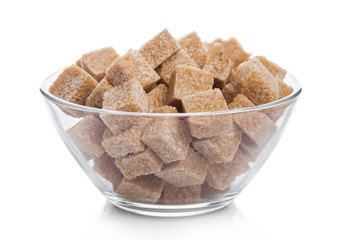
(166, 158)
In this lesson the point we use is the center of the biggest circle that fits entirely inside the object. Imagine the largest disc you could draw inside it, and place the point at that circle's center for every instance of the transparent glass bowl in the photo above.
(211, 172)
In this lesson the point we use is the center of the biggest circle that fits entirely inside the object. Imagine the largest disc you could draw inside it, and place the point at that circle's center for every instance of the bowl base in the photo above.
(158, 210)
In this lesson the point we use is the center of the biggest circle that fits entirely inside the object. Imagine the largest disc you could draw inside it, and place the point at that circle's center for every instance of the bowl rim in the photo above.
(289, 79)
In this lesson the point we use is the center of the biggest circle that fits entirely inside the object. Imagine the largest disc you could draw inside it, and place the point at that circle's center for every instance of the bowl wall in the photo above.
(170, 164)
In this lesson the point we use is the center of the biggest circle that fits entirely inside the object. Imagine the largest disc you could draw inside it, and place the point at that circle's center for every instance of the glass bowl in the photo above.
(148, 163)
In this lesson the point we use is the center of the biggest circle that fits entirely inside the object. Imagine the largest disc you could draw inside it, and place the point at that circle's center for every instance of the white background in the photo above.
(45, 195)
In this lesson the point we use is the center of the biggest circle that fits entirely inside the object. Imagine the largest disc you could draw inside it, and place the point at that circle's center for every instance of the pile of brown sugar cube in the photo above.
(172, 160)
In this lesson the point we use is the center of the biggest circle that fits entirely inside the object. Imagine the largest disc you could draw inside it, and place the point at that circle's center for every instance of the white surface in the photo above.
(45, 195)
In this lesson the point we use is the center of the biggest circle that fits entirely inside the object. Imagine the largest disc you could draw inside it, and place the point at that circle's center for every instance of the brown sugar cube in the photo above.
(190, 171)
(232, 77)
(157, 97)
(173, 195)
(249, 148)
(87, 135)
(134, 165)
(240, 101)
(78, 62)
(193, 45)
(165, 109)
(284, 89)
(236, 52)
(73, 85)
(179, 58)
(278, 73)
(95, 99)
(273, 68)
(209, 44)
(257, 125)
(221, 176)
(229, 92)
(128, 97)
(187, 80)
(105, 166)
(221, 148)
(107, 133)
(124, 143)
(275, 113)
(219, 64)
(96, 62)
(208, 192)
(132, 66)
(75, 113)
(144, 189)
(119, 123)
(169, 139)
(159, 49)
(256, 82)
(207, 101)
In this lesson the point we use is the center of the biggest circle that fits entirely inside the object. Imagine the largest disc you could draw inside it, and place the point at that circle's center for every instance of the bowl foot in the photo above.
(158, 210)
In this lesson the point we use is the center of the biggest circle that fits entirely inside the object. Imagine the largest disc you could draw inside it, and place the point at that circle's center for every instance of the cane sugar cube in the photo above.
(278, 73)
(221, 148)
(87, 135)
(124, 143)
(193, 45)
(277, 112)
(134, 165)
(187, 80)
(219, 64)
(73, 85)
(118, 123)
(105, 166)
(173, 195)
(232, 77)
(132, 66)
(95, 99)
(284, 89)
(229, 92)
(250, 149)
(273, 68)
(169, 139)
(256, 82)
(207, 101)
(157, 97)
(107, 133)
(240, 101)
(128, 96)
(208, 192)
(236, 52)
(209, 126)
(190, 171)
(209, 44)
(78, 62)
(165, 109)
(159, 49)
(96, 62)
(221, 176)
(143, 189)
(179, 58)
(257, 125)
